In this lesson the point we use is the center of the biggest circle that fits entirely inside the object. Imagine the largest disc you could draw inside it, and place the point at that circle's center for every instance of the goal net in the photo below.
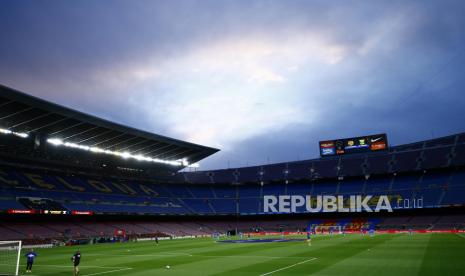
(10, 252)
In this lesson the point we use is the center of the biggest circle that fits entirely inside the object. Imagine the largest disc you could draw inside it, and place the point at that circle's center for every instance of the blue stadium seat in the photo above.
(436, 157)
(326, 168)
(351, 187)
(457, 179)
(352, 166)
(299, 170)
(406, 161)
(378, 163)
(405, 183)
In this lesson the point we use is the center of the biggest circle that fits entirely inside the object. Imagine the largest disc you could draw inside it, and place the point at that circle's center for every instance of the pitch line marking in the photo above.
(289, 266)
(198, 255)
(143, 255)
(70, 266)
(178, 254)
(111, 271)
(250, 256)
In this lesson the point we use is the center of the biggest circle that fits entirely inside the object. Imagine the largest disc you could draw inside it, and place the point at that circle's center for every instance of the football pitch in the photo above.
(386, 254)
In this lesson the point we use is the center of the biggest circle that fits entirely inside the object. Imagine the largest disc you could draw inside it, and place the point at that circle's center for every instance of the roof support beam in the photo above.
(109, 139)
(138, 143)
(16, 113)
(155, 150)
(95, 136)
(65, 129)
(82, 132)
(124, 141)
(49, 124)
(172, 157)
(149, 146)
(31, 120)
(6, 103)
(165, 152)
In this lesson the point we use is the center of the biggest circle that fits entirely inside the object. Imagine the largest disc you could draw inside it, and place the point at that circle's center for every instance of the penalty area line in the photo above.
(289, 266)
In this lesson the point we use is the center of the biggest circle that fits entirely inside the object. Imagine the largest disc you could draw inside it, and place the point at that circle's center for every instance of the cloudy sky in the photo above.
(263, 81)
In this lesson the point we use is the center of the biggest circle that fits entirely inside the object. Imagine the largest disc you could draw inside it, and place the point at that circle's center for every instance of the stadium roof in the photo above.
(22, 113)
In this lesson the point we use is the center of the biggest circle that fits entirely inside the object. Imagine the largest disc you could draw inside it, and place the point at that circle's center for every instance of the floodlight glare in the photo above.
(19, 134)
(125, 155)
(55, 141)
(193, 165)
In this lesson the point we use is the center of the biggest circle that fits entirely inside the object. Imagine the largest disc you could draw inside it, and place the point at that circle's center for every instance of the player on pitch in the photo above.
(30, 260)
(76, 259)
(309, 238)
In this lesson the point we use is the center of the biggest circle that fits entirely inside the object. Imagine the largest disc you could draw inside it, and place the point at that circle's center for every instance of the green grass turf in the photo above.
(394, 254)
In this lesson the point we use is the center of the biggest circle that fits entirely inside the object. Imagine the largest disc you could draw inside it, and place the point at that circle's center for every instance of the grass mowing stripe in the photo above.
(287, 267)
(106, 272)
(251, 256)
(322, 245)
(217, 264)
(186, 263)
(400, 255)
(445, 255)
(391, 254)
(142, 255)
(86, 266)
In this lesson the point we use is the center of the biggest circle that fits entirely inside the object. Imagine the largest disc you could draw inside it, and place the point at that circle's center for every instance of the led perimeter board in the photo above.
(360, 144)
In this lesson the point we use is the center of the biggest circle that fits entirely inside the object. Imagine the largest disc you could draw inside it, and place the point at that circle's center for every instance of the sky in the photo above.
(263, 81)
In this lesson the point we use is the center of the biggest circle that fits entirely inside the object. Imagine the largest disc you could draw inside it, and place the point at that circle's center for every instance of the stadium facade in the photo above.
(61, 169)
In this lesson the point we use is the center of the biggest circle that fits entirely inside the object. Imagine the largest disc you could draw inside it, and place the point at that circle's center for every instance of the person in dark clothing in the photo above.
(30, 260)
(76, 259)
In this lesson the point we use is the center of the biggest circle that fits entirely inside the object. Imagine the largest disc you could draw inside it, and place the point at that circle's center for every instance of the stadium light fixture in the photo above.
(125, 155)
(19, 134)
(193, 165)
(55, 142)
(22, 135)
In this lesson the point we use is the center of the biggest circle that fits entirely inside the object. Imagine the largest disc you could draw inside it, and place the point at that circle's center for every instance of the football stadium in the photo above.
(71, 181)
(223, 137)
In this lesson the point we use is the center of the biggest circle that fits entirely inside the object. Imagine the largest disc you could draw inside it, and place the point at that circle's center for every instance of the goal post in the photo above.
(10, 254)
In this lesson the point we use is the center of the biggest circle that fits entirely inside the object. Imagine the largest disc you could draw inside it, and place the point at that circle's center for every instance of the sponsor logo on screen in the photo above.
(378, 146)
(329, 144)
(14, 211)
(355, 145)
(376, 139)
(55, 212)
(328, 151)
(84, 213)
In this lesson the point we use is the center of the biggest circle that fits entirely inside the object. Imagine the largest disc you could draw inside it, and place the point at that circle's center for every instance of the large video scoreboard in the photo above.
(354, 145)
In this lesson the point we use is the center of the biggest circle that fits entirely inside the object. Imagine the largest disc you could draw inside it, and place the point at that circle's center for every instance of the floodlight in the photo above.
(125, 155)
(55, 141)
